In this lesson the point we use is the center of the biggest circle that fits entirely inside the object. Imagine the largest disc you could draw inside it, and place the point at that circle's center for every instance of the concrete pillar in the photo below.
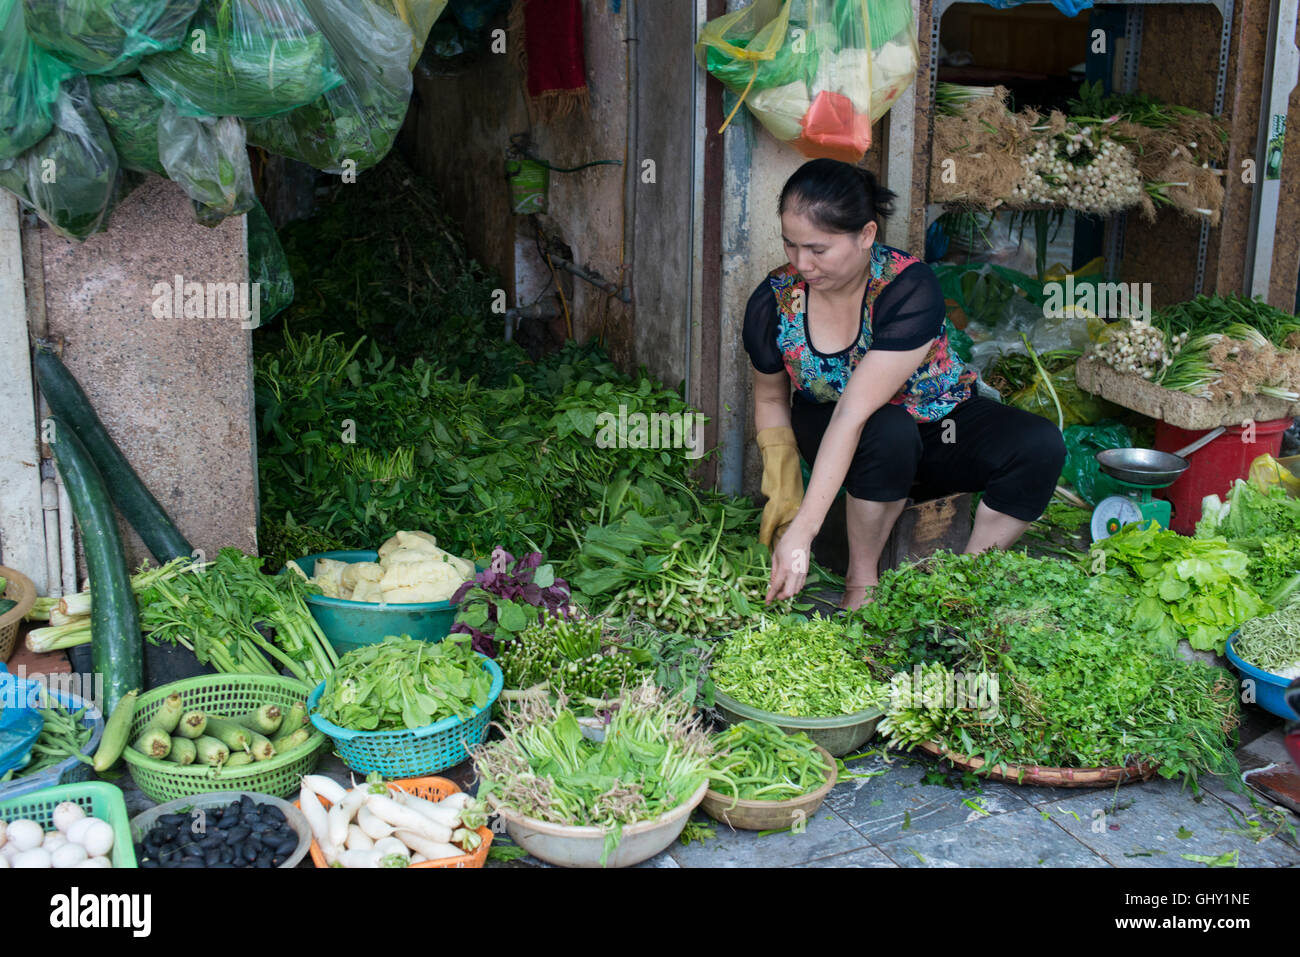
(175, 394)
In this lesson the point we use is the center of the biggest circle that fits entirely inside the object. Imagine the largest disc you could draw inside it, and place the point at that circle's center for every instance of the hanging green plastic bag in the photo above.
(250, 58)
(1082, 443)
(130, 111)
(208, 158)
(353, 126)
(107, 36)
(268, 266)
(71, 176)
(29, 84)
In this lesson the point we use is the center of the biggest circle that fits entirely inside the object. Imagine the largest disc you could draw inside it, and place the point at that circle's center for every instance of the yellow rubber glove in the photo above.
(782, 483)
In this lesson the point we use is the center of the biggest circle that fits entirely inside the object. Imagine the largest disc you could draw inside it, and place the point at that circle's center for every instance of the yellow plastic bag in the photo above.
(420, 16)
(1267, 471)
(815, 73)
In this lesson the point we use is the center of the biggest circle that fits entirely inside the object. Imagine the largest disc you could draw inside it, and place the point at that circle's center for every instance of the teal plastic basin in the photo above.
(355, 624)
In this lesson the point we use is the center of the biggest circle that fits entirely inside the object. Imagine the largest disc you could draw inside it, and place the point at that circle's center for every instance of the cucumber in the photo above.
(117, 649)
(115, 731)
(69, 404)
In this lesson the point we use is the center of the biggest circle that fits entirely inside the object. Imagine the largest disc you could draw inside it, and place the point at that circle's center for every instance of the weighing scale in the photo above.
(1142, 470)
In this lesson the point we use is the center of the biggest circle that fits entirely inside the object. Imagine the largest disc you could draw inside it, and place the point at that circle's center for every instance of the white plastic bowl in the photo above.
(568, 846)
(143, 822)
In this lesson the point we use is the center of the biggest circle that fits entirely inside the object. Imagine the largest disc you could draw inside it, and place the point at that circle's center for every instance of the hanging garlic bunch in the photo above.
(1081, 168)
(1140, 348)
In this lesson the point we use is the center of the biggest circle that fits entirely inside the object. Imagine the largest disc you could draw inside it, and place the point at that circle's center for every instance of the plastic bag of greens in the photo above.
(1076, 406)
(249, 58)
(71, 176)
(359, 120)
(130, 111)
(1082, 443)
(29, 84)
(207, 157)
(268, 266)
(420, 16)
(818, 71)
(107, 36)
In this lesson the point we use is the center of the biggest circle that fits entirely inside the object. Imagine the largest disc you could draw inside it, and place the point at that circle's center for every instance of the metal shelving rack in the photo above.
(1132, 53)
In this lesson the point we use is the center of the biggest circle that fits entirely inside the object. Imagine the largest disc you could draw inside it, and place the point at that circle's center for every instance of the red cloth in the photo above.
(553, 43)
(833, 130)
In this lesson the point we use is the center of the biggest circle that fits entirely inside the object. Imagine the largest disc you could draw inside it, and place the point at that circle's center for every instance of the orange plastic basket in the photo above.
(431, 789)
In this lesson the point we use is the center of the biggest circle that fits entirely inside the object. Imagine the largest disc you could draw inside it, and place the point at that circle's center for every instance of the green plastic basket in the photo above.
(839, 735)
(223, 695)
(98, 799)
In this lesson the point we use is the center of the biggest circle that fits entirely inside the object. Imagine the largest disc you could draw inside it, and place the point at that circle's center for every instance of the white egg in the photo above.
(69, 855)
(25, 835)
(53, 841)
(66, 814)
(77, 830)
(98, 838)
(37, 857)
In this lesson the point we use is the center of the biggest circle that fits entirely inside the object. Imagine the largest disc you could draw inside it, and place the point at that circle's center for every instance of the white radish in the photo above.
(448, 817)
(391, 845)
(97, 838)
(69, 855)
(456, 799)
(432, 850)
(327, 788)
(360, 859)
(317, 819)
(25, 835)
(67, 814)
(342, 813)
(358, 840)
(405, 818)
(37, 857)
(374, 828)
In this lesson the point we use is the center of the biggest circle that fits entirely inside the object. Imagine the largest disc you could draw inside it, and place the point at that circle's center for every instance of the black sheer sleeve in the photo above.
(761, 330)
(909, 312)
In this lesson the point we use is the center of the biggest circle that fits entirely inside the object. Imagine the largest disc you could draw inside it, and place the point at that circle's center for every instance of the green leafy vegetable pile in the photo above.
(1263, 523)
(654, 756)
(402, 683)
(799, 667)
(1032, 661)
(351, 448)
(1193, 588)
(689, 564)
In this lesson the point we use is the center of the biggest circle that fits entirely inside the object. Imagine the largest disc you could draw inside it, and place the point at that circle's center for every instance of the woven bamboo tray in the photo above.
(1044, 777)
(19, 588)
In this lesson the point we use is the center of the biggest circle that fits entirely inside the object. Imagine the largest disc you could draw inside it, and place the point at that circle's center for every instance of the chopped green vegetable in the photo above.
(799, 667)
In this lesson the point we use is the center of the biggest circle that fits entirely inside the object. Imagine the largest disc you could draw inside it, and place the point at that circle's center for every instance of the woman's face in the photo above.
(829, 262)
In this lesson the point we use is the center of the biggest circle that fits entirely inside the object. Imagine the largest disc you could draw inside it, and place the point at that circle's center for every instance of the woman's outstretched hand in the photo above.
(790, 561)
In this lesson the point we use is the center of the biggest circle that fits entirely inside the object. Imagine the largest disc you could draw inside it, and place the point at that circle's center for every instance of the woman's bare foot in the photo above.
(855, 596)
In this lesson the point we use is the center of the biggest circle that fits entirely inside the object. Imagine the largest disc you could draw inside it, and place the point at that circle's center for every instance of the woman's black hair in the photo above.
(837, 197)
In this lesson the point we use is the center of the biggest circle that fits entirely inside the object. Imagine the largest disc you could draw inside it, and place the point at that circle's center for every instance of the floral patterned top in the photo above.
(902, 309)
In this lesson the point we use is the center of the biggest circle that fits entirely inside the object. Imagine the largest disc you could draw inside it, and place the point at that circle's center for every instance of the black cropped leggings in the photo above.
(1012, 456)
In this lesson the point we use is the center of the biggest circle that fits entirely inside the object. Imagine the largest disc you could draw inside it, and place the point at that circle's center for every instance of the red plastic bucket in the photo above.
(1216, 466)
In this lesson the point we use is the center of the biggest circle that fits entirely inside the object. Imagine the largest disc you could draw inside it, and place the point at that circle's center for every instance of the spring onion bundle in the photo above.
(654, 757)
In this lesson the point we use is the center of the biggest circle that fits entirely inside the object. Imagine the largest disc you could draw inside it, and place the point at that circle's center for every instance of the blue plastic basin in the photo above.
(1269, 688)
(354, 624)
